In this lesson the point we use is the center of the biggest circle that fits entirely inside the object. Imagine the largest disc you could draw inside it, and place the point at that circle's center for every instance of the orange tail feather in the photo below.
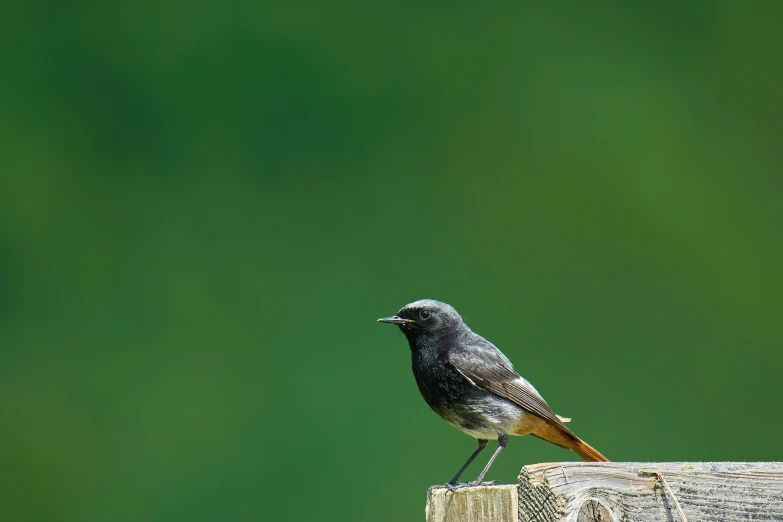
(586, 451)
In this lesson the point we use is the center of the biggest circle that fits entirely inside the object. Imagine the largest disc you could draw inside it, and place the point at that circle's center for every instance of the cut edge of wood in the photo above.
(537, 501)
(473, 504)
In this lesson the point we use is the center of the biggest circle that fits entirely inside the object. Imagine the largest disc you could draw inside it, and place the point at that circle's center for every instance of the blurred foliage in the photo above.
(205, 206)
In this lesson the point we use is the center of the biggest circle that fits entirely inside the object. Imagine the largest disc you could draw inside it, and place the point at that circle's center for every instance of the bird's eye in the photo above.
(425, 314)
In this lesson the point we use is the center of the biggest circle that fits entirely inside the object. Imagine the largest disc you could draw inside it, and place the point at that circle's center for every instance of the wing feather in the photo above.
(483, 365)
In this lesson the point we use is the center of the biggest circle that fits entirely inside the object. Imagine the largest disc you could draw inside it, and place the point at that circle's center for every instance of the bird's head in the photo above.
(424, 317)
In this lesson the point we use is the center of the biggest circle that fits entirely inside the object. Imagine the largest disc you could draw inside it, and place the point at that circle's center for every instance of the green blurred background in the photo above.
(205, 206)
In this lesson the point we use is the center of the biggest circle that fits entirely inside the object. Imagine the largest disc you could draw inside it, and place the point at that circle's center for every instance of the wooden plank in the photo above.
(619, 491)
(477, 504)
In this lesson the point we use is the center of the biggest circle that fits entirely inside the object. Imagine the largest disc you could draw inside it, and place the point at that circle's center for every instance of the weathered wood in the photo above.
(619, 492)
(714, 491)
(478, 504)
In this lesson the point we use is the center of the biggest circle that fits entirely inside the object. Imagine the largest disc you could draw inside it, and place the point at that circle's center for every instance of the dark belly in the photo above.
(462, 404)
(441, 385)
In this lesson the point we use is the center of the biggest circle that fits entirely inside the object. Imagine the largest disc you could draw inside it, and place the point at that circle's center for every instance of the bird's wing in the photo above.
(481, 363)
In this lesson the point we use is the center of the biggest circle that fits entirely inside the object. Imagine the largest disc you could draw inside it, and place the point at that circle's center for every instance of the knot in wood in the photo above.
(593, 511)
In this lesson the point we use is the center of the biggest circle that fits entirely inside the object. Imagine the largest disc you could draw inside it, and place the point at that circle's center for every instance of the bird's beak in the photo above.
(395, 320)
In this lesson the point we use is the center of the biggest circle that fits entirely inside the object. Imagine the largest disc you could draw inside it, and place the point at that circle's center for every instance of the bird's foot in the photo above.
(454, 486)
(478, 482)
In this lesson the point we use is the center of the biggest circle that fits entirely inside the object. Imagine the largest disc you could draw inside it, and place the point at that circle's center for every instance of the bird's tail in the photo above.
(586, 451)
(560, 435)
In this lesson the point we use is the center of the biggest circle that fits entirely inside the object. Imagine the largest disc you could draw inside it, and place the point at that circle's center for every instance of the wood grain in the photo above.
(620, 491)
(477, 504)
(714, 491)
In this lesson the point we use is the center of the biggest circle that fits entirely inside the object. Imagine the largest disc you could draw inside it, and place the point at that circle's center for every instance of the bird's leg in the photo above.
(482, 443)
(502, 441)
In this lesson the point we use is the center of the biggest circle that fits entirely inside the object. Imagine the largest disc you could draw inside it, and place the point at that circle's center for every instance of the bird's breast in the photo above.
(464, 405)
(440, 384)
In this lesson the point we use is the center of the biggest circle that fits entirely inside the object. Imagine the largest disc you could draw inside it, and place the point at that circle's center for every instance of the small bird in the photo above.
(473, 386)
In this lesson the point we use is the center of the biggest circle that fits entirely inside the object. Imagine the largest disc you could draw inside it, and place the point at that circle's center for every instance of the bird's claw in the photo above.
(476, 483)
(454, 486)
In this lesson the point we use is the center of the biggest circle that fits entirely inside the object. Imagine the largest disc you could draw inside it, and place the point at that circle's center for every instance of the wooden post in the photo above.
(495, 503)
(619, 491)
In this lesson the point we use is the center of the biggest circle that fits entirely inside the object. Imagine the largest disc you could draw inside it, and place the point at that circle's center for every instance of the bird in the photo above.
(470, 383)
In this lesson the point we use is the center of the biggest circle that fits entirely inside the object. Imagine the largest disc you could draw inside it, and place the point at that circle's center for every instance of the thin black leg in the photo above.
(482, 443)
(502, 441)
